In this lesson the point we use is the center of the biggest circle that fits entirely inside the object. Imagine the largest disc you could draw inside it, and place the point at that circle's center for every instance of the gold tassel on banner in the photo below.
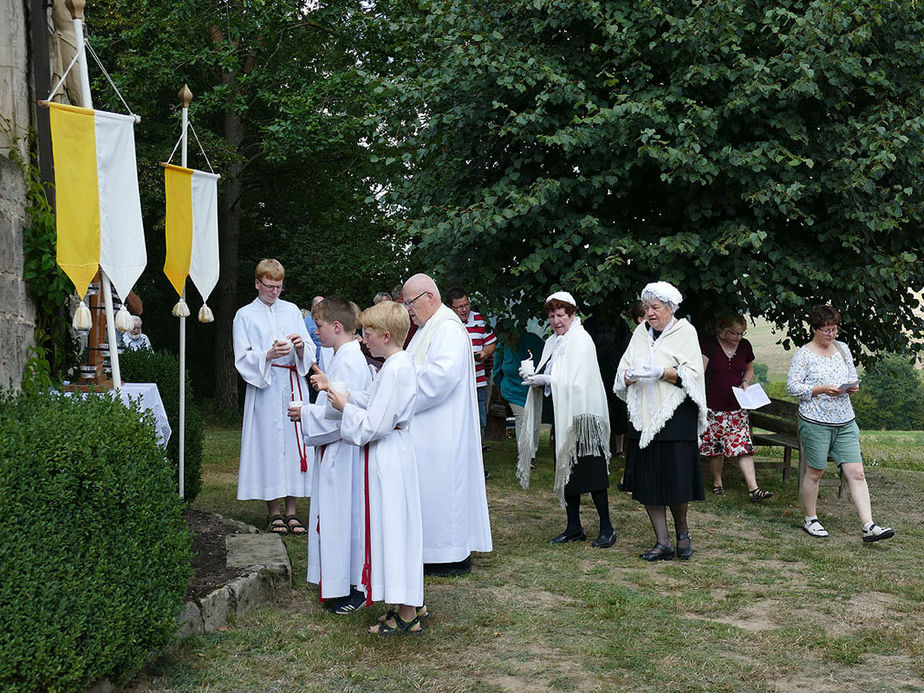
(124, 321)
(82, 318)
(181, 310)
(205, 314)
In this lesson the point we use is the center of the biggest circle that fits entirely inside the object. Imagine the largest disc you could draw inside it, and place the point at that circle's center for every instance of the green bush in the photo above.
(891, 396)
(94, 552)
(777, 390)
(163, 368)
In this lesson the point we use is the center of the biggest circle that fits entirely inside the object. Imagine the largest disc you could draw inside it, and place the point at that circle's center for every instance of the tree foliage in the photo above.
(282, 110)
(891, 396)
(762, 156)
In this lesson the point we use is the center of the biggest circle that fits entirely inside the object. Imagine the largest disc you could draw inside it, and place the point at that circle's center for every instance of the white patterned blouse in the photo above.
(807, 370)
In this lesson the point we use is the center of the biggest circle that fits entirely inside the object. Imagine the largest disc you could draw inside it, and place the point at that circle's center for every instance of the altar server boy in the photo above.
(335, 553)
(379, 419)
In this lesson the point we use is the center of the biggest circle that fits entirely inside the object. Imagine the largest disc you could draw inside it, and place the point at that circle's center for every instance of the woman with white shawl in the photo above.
(661, 379)
(568, 375)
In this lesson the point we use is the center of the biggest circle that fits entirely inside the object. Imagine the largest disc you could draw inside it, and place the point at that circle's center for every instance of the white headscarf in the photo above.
(562, 296)
(664, 292)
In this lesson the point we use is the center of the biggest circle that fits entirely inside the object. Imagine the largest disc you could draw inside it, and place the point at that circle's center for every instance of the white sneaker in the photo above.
(875, 533)
(814, 529)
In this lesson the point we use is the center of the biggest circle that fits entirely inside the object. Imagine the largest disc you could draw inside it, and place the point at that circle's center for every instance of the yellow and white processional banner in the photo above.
(98, 207)
(191, 228)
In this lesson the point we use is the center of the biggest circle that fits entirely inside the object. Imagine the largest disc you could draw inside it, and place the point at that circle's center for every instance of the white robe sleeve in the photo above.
(249, 354)
(349, 367)
(379, 417)
(360, 399)
(316, 427)
(444, 368)
(303, 364)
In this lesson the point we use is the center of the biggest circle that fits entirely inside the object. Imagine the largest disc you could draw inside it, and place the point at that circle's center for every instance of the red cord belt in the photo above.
(293, 381)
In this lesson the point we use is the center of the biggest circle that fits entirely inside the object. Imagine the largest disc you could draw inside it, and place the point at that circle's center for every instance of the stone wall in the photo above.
(16, 99)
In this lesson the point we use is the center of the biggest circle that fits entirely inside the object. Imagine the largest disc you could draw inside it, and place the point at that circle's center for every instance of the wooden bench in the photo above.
(778, 426)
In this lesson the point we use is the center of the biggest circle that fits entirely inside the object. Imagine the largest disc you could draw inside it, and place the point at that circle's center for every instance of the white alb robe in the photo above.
(380, 419)
(335, 556)
(447, 441)
(270, 465)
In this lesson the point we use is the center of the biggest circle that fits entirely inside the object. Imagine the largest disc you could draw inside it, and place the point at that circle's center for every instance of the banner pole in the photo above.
(76, 8)
(185, 98)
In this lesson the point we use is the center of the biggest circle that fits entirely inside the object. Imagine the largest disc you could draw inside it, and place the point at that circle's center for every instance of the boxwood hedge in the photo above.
(94, 552)
(163, 368)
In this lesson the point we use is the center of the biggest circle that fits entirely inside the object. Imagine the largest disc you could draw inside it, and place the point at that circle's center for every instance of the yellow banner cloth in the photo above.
(73, 137)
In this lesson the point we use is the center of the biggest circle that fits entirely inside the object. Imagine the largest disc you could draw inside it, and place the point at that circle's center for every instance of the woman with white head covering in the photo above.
(568, 375)
(661, 379)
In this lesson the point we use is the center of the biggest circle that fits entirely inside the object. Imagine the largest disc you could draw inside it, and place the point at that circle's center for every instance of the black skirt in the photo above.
(667, 472)
(588, 475)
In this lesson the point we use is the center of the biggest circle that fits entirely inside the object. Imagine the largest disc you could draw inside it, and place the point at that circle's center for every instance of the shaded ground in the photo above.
(209, 566)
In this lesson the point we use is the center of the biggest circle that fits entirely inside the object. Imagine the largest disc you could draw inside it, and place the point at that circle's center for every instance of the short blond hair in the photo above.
(387, 316)
(270, 269)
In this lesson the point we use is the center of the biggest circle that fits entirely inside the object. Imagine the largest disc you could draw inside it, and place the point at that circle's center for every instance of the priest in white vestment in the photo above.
(270, 355)
(446, 434)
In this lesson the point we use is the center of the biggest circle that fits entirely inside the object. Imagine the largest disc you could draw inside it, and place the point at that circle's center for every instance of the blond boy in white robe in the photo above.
(379, 420)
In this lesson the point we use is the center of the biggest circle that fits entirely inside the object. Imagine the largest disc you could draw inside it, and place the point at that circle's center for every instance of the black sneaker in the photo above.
(355, 601)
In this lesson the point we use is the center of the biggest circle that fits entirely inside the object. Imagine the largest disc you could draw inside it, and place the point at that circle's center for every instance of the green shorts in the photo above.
(840, 443)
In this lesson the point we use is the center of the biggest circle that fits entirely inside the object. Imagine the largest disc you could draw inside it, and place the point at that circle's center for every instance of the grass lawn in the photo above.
(760, 607)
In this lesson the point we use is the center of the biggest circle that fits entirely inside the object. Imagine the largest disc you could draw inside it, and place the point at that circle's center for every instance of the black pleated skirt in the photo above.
(667, 472)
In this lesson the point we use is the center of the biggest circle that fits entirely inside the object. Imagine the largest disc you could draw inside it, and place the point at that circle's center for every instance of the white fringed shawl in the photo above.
(652, 402)
(582, 423)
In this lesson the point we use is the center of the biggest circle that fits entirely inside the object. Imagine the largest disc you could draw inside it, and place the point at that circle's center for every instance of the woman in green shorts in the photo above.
(822, 375)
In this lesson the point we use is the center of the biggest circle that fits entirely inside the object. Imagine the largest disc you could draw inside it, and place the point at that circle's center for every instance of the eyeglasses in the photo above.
(270, 287)
(735, 334)
(464, 306)
(829, 331)
(408, 304)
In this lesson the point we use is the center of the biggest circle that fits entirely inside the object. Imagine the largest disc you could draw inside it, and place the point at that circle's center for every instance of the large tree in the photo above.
(762, 156)
(282, 110)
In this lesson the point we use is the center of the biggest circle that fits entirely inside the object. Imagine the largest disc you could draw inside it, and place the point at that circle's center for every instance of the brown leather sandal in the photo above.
(294, 526)
(276, 524)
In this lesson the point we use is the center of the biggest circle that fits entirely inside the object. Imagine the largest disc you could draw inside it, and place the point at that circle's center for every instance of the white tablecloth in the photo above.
(150, 401)
(149, 397)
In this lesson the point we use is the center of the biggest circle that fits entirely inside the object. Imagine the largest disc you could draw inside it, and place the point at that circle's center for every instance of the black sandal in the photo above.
(718, 490)
(759, 494)
(422, 613)
(276, 524)
(401, 626)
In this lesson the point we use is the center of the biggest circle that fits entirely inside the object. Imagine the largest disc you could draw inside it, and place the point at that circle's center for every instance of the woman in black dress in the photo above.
(661, 379)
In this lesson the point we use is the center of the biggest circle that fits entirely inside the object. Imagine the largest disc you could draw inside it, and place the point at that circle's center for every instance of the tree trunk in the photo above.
(226, 377)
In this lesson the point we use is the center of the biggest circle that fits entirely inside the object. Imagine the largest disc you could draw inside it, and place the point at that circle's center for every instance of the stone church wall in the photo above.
(16, 99)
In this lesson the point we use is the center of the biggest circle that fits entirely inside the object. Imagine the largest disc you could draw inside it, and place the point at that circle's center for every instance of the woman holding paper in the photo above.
(660, 376)
(729, 362)
(823, 377)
